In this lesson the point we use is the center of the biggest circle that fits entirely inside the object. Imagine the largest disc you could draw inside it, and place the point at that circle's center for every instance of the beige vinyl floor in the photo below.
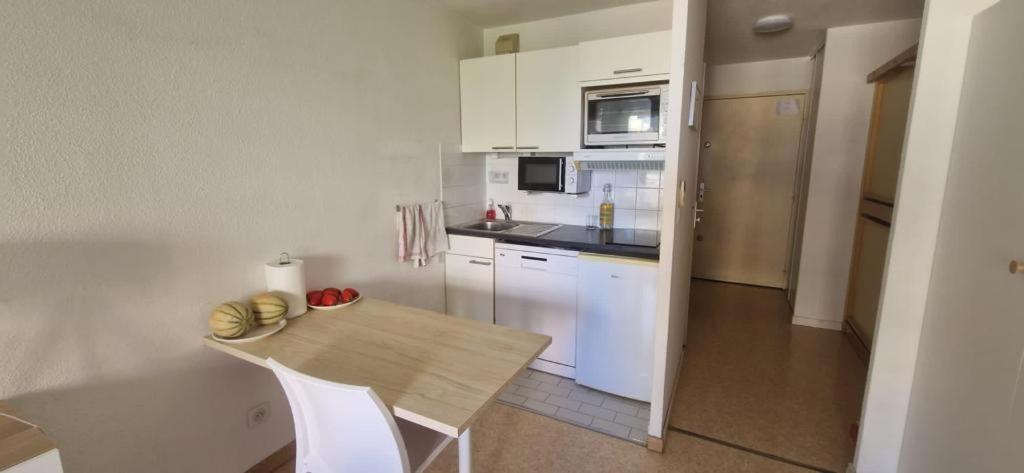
(760, 394)
(753, 379)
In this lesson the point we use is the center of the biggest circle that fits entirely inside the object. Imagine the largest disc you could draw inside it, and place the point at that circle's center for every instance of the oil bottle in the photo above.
(607, 209)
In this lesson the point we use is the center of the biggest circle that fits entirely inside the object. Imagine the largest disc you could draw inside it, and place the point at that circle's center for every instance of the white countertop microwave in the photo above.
(624, 116)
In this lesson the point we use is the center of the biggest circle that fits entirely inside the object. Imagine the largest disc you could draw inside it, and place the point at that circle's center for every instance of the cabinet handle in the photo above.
(627, 71)
(529, 147)
(502, 147)
(481, 263)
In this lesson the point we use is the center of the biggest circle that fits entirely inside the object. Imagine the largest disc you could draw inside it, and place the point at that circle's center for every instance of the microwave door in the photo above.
(623, 118)
(542, 174)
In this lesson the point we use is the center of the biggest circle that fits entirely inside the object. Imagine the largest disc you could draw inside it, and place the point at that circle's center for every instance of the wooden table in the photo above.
(23, 446)
(431, 369)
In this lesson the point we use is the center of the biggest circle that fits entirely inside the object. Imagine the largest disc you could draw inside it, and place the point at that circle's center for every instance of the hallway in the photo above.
(753, 380)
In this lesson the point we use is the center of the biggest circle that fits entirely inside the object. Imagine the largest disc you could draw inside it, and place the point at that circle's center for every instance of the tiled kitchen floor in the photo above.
(562, 399)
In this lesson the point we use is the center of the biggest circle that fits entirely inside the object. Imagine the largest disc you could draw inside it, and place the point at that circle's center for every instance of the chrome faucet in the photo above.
(506, 210)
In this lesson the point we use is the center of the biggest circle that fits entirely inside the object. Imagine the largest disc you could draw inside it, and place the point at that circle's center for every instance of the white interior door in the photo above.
(747, 176)
(965, 410)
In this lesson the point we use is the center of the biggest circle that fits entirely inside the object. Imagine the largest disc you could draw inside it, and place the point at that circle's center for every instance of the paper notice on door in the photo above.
(787, 107)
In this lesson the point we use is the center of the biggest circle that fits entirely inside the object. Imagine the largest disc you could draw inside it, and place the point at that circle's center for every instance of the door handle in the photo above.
(627, 71)
(481, 263)
(533, 258)
(698, 215)
(1016, 266)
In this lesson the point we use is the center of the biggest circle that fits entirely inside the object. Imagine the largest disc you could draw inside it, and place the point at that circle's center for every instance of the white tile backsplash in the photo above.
(648, 219)
(647, 199)
(632, 190)
(626, 178)
(624, 198)
(649, 179)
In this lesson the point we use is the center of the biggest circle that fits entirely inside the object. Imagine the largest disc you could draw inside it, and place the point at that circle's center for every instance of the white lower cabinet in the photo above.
(469, 278)
(615, 336)
(535, 290)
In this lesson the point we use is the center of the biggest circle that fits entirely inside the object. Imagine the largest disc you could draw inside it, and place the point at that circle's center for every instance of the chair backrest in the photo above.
(340, 428)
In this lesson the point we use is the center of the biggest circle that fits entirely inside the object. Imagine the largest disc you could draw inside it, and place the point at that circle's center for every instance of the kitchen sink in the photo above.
(492, 226)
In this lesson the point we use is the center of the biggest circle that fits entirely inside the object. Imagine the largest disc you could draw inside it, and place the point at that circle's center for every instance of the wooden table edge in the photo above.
(441, 427)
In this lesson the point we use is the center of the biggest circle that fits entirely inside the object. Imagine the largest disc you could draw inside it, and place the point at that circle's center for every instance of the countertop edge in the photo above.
(612, 250)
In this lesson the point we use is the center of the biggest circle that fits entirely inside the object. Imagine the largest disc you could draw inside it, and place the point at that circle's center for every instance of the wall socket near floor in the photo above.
(258, 414)
(497, 177)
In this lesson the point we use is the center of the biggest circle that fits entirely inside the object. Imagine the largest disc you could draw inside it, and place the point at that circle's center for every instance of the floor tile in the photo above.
(632, 421)
(617, 430)
(620, 406)
(563, 402)
(554, 389)
(531, 393)
(600, 412)
(540, 407)
(512, 398)
(574, 416)
(587, 397)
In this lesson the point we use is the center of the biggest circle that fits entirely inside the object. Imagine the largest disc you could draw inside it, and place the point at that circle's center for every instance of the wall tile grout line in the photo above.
(750, 450)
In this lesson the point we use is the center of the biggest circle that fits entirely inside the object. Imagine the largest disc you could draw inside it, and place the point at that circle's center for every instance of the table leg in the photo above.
(465, 457)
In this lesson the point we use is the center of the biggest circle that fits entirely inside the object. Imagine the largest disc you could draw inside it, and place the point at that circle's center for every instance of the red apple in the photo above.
(314, 297)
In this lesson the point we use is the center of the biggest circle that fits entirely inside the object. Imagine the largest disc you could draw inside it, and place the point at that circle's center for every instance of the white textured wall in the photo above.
(780, 75)
(689, 21)
(153, 155)
(572, 29)
(841, 134)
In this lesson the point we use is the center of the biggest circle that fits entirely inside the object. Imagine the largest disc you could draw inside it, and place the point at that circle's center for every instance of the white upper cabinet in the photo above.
(488, 103)
(548, 100)
(633, 56)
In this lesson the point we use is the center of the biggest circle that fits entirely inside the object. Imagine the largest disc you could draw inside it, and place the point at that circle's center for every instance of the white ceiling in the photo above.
(488, 13)
(730, 37)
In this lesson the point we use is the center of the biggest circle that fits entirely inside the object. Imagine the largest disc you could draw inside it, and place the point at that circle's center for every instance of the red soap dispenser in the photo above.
(491, 213)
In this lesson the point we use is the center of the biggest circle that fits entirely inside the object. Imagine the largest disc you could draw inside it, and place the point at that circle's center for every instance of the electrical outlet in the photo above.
(258, 414)
(498, 177)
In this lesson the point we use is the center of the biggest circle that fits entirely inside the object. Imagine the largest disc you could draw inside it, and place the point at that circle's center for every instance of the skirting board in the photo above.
(836, 325)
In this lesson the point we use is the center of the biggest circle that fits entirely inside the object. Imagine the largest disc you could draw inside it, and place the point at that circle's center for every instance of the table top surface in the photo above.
(432, 369)
(19, 441)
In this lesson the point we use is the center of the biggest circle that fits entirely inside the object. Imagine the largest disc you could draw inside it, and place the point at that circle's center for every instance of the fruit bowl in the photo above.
(332, 298)
(336, 306)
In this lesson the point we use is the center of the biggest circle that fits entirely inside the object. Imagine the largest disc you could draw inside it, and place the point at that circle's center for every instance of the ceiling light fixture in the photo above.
(773, 24)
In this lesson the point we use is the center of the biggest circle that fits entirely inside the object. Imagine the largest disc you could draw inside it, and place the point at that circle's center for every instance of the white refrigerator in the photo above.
(615, 324)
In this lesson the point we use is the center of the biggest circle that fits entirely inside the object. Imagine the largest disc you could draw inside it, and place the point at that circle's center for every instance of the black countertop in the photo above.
(575, 237)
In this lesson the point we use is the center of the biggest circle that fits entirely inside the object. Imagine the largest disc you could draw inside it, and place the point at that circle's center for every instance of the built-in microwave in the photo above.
(552, 174)
(624, 116)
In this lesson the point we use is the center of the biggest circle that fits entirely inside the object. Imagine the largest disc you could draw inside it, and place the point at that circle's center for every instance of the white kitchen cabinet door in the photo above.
(469, 287)
(615, 325)
(488, 87)
(625, 56)
(548, 100)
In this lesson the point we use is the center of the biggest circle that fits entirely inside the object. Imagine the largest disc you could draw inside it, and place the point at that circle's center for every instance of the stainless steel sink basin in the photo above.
(492, 226)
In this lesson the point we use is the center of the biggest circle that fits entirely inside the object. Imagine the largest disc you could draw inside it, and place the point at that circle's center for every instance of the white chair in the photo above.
(341, 428)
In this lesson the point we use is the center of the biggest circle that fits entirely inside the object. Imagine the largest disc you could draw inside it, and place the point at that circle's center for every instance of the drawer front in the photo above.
(471, 246)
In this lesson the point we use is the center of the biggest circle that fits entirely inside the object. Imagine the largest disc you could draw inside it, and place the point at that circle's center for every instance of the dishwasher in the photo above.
(535, 291)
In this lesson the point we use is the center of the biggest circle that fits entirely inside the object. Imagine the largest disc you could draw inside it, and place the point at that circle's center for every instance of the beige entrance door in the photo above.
(745, 193)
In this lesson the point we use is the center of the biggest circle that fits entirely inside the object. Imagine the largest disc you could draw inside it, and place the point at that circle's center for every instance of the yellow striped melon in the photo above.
(231, 320)
(268, 308)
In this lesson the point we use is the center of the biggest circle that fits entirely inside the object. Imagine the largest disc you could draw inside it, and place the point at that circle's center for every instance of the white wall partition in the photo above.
(689, 18)
(840, 141)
